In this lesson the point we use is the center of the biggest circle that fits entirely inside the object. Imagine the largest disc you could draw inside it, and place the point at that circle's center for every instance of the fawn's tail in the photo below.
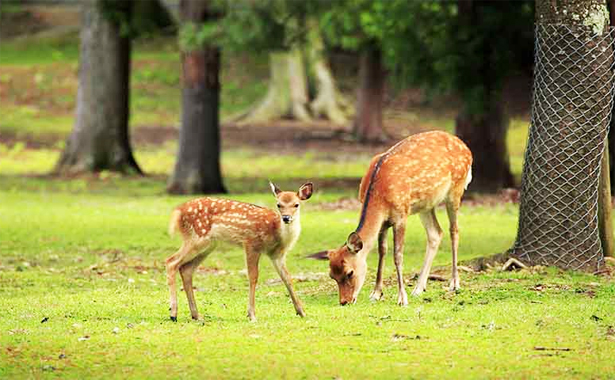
(174, 222)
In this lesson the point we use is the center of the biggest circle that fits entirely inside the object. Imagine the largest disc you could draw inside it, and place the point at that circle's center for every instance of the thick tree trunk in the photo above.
(292, 73)
(99, 140)
(287, 96)
(483, 128)
(370, 97)
(197, 169)
(329, 102)
(611, 5)
(558, 218)
(485, 135)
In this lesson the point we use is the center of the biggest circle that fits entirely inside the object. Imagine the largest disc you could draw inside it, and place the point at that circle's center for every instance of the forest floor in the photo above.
(82, 283)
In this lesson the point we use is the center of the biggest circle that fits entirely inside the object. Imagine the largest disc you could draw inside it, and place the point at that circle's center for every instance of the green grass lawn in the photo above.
(83, 294)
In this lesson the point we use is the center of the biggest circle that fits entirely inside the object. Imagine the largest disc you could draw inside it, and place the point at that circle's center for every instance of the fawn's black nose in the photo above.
(286, 219)
(344, 302)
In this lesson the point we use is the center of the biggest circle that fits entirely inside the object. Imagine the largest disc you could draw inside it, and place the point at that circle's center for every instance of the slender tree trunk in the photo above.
(370, 97)
(558, 218)
(100, 140)
(483, 128)
(197, 169)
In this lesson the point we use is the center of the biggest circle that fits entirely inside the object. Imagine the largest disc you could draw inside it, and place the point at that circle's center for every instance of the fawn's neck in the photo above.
(289, 233)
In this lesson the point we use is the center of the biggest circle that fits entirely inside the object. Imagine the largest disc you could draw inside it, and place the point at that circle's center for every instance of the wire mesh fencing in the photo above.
(571, 110)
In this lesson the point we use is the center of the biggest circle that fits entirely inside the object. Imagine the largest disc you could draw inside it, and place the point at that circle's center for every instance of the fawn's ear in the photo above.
(274, 189)
(305, 191)
(322, 255)
(354, 243)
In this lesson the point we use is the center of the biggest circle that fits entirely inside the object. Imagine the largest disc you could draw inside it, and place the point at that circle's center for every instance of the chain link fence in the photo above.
(571, 110)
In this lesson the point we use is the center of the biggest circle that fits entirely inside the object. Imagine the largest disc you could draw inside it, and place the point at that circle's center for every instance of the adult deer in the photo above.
(204, 221)
(412, 177)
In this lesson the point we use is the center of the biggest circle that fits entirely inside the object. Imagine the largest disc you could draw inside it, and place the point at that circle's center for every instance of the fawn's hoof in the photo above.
(301, 313)
(174, 319)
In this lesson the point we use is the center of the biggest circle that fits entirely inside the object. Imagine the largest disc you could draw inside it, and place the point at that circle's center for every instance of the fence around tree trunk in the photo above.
(571, 110)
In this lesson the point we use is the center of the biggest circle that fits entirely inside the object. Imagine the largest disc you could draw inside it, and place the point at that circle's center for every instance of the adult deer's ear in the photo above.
(354, 243)
(274, 189)
(322, 255)
(305, 191)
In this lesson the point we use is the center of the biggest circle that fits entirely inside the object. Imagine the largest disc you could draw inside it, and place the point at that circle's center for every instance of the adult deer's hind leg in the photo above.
(399, 232)
(434, 237)
(452, 207)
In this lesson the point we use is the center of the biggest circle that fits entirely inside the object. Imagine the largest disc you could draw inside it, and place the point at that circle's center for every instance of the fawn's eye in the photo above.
(296, 205)
(279, 205)
(349, 274)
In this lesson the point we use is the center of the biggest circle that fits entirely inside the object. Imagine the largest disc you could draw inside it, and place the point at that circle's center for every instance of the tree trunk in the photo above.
(370, 97)
(483, 128)
(605, 218)
(99, 140)
(558, 218)
(611, 145)
(292, 74)
(485, 135)
(287, 96)
(329, 102)
(197, 169)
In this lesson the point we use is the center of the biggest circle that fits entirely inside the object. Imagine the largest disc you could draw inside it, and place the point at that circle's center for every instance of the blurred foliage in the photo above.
(425, 43)
(432, 45)
(137, 18)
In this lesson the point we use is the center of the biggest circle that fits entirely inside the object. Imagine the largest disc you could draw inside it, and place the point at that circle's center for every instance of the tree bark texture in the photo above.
(484, 128)
(295, 75)
(197, 169)
(370, 97)
(287, 96)
(558, 219)
(328, 102)
(99, 139)
(605, 215)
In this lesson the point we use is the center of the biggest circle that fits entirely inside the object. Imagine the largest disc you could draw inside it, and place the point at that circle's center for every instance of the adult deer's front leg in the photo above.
(376, 294)
(399, 232)
(280, 265)
(434, 236)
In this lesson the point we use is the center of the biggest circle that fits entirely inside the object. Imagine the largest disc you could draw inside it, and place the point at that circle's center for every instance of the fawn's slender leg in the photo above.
(452, 207)
(252, 258)
(382, 251)
(186, 271)
(280, 266)
(173, 263)
(399, 232)
(434, 236)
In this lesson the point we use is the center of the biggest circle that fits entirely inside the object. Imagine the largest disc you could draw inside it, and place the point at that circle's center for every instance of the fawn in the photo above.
(414, 176)
(204, 221)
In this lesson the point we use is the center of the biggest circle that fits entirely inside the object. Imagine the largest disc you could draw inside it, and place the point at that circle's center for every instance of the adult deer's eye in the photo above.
(279, 205)
(297, 205)
(349, 275)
